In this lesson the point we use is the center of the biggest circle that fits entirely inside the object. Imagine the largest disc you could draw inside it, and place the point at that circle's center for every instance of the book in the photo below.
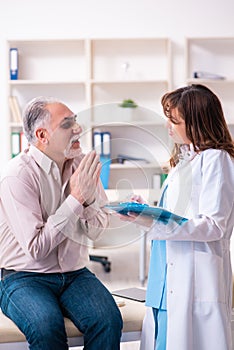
(157, 213)
(133, 293)
(15, 109)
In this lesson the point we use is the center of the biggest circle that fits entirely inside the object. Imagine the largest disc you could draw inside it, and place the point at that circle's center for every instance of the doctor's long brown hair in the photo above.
(204, 120)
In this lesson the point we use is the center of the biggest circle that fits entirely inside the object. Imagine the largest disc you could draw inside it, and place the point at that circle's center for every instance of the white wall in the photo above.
(123, 18)
(176, 19)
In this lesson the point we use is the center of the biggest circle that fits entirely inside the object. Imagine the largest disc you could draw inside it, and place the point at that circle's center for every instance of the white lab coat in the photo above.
(199, 275)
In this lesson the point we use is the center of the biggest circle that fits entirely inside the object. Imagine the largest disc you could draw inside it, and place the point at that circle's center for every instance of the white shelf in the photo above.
(135, 166)
(128, 81)
(117, 195)
(44, 82)
(213, 55)
(15, 125)
(210, 81)
(92, 76)
(129, 124)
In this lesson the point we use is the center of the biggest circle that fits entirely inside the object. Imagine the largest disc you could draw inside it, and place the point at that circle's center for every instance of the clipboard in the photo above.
(157, 213)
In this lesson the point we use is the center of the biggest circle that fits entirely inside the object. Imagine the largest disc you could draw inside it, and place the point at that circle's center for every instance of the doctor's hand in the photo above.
(83, 182)
(138, 219)
(137, 198)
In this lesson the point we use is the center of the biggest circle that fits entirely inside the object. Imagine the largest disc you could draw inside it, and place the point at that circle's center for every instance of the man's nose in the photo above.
(77, 129)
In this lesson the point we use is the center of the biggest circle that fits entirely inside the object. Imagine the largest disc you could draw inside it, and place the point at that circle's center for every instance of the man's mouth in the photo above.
(75, 143)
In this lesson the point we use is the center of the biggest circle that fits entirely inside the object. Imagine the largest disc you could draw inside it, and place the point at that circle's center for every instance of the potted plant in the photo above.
(126, 113)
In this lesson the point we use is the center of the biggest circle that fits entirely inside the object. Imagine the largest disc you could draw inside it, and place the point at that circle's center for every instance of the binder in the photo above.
(105, 171)
(13, 63)
(15, 143)
(97, 142)
(106, 136)
(102, 143)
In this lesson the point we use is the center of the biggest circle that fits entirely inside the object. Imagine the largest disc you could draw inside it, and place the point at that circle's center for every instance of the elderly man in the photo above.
(52, 201)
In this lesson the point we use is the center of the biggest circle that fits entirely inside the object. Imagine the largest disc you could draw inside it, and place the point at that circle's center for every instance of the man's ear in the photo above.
(42, 135)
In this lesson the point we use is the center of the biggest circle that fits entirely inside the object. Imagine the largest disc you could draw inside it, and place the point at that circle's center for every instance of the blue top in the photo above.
(157, 288)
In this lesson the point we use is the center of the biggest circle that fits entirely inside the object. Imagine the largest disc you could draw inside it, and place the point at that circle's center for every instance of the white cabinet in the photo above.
(214, 56)
(49, 68)
(130, 68)
(92, 76)
(137, 69)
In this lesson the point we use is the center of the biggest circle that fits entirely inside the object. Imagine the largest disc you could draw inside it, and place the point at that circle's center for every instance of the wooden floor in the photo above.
(124, 273)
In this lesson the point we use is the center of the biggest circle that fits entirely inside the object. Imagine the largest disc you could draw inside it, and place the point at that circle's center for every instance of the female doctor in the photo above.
(190, 278)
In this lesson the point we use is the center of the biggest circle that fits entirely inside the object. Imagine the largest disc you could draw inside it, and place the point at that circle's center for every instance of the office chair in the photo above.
(102, 260)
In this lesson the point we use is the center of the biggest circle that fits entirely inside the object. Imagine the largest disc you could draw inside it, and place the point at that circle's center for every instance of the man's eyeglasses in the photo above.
(69, 122)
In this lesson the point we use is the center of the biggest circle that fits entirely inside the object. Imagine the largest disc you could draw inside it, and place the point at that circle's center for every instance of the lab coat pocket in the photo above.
(208, 271)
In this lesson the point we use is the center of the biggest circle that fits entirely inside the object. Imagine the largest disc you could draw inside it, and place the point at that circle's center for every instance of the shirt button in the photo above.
(171, 264)
(171, 291)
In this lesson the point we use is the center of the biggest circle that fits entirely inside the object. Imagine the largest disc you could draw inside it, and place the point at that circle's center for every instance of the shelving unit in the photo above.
(214, 55)
(92, 76)
(139, 69)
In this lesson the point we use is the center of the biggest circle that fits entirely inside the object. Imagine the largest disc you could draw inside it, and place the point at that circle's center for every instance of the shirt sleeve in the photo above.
(216, 205)
(21, 203)
(94, 218)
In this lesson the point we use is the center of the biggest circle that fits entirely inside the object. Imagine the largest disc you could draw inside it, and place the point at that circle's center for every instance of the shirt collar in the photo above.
(187, 152)
(41, 158)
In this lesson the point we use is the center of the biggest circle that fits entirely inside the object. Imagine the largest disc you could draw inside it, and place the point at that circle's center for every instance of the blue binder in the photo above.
(14, 63)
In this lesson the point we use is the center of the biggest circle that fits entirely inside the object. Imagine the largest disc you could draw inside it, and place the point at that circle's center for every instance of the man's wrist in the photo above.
(88, 203)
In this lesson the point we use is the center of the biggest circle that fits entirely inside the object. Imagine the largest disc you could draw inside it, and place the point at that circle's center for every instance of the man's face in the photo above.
(63, 133)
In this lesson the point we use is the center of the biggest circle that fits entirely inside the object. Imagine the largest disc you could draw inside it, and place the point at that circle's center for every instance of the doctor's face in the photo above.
(176, 128)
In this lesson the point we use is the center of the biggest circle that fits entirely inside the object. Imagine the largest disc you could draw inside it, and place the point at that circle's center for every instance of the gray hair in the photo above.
(35, 114)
